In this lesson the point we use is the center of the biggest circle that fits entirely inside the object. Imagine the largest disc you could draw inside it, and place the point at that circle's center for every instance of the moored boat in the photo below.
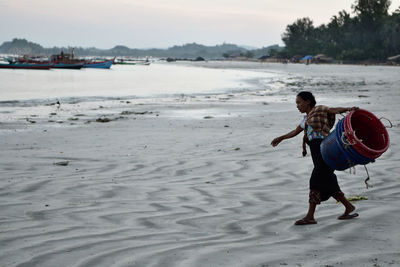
(145, 63)
(31, 66)
(31, 59)
(64, 65)
(67, 61)
(99, 65)
(124, 62)
(130, 61)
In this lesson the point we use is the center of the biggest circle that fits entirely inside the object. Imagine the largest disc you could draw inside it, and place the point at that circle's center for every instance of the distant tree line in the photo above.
(193, 50)
(186, 51)
(267, 51)
(372, 33)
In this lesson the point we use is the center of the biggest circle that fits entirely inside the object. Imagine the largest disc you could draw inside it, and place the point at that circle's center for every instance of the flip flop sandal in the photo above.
(348, 216)
(305, 222)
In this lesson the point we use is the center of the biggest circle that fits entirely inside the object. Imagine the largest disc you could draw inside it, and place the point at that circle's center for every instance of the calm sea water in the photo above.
(23, 92)
(163, 80)
(156, 80)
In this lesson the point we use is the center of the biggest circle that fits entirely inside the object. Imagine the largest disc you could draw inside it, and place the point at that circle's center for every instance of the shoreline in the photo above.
(281, 61)
(26, 113)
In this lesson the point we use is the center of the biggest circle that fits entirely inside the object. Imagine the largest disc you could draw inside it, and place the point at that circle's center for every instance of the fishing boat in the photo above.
(124, 62)
(68, 65)
(145, 63)
(99, 65)
(67, 61)
(31, 66)
(31, 59)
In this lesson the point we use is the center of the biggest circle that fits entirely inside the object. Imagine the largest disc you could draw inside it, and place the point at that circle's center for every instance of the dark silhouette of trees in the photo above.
(299, 36)
(371, 34)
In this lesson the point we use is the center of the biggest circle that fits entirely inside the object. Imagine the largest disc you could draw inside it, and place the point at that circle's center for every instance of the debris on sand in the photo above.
(61, 163)
(104, 119)
(127, 112)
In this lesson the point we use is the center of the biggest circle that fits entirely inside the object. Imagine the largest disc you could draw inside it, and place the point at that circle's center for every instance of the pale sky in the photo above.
(159, 23)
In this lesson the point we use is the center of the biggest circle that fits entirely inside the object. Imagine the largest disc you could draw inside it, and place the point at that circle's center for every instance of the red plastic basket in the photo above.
(366, 133)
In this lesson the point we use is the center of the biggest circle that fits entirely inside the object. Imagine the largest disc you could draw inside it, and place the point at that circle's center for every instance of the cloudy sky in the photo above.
(159, 23)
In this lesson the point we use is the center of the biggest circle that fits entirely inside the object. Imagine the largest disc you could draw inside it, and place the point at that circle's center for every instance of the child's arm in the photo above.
(290, 134)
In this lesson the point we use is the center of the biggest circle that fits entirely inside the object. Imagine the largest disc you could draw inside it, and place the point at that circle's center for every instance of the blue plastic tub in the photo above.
(354, 155)
(339, 155)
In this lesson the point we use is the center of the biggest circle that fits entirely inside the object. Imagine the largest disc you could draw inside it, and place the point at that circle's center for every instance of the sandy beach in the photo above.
(194, 181)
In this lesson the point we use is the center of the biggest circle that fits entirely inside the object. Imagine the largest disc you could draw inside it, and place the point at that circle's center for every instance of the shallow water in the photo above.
(163, 80)
(156, 80)
(25, 93)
